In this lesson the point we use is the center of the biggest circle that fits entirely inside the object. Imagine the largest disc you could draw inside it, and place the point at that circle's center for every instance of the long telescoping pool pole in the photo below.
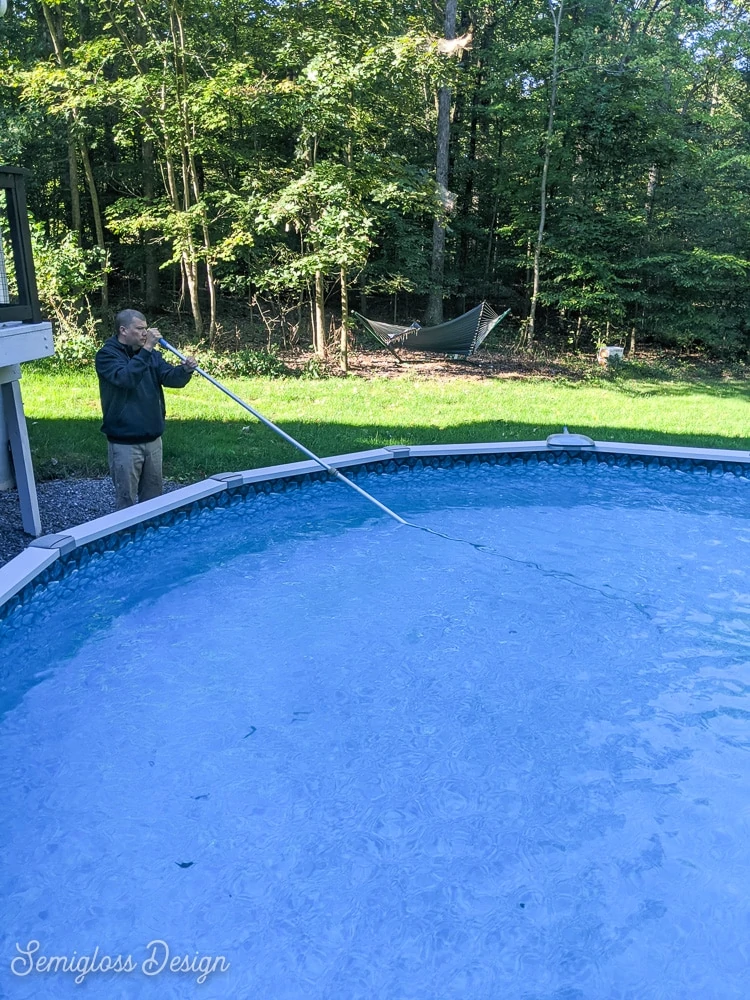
(287, 437)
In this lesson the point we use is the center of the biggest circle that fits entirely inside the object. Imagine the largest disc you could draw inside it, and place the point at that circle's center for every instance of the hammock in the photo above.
(463, 335)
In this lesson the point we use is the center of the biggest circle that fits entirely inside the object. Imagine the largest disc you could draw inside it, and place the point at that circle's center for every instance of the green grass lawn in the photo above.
(208, 433)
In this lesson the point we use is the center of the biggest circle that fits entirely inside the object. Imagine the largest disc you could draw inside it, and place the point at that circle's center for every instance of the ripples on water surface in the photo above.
(401, 768)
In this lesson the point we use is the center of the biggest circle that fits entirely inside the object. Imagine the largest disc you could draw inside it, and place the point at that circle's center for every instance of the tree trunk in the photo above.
(190, 271)
(653, 183)
(75, 195)
(442, 162)
(300, 304)
(648, 213)
(211, 283)
(98, 224)
(151, 264)
(556, 12)
(472, 193)
(468, 198)
(198, 192)
(187, 253)
(319, 340)
(344, 343)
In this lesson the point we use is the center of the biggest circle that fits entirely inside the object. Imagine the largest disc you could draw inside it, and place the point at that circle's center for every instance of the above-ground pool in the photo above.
(319, 755)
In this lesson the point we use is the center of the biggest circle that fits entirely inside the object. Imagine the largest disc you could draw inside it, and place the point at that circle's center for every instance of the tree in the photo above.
(442, 163)
(556, 11)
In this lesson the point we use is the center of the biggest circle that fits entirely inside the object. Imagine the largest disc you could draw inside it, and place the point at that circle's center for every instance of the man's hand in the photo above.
(190, 364)
(152, 338)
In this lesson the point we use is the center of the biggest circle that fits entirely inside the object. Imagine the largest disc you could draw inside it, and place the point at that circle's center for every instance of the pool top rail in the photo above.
(21, 572)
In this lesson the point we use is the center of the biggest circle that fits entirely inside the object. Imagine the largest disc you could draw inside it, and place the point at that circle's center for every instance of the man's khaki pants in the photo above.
(136, 472)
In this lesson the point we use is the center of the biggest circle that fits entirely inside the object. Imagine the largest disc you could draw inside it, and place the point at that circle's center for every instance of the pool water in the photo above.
(356, 760)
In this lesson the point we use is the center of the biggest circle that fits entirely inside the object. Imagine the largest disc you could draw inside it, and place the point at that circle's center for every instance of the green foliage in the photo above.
(66, 276)
(244, 363)
(314, 368)
(241, 148)
(77, 341)
(65, 271)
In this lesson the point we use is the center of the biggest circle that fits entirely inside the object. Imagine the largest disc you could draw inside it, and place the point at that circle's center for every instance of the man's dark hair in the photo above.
(125, 317)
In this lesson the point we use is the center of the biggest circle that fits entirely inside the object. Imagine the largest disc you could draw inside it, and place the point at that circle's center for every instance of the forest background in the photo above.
(261, 165)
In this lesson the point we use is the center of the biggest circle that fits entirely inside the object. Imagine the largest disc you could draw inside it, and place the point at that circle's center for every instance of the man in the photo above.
(131, 375)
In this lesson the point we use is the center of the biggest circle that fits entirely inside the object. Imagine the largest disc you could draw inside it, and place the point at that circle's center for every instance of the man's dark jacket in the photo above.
(130, 386)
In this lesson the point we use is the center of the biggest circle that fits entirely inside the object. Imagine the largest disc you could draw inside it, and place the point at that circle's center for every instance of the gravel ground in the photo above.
(63, 503)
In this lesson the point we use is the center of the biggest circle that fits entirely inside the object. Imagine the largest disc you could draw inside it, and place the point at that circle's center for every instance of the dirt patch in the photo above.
(498, 364)
(420, 365)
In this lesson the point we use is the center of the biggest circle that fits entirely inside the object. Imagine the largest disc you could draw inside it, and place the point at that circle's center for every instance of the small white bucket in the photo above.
(610, 355)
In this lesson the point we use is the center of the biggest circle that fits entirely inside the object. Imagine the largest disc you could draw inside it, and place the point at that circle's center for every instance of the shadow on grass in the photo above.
(643, 384)
(194, 449)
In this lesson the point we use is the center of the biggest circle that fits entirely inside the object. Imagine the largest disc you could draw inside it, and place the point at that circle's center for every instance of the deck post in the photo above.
(15, 451)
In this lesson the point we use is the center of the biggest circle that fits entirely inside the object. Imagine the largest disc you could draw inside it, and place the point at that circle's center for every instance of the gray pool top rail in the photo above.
(45, 558)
